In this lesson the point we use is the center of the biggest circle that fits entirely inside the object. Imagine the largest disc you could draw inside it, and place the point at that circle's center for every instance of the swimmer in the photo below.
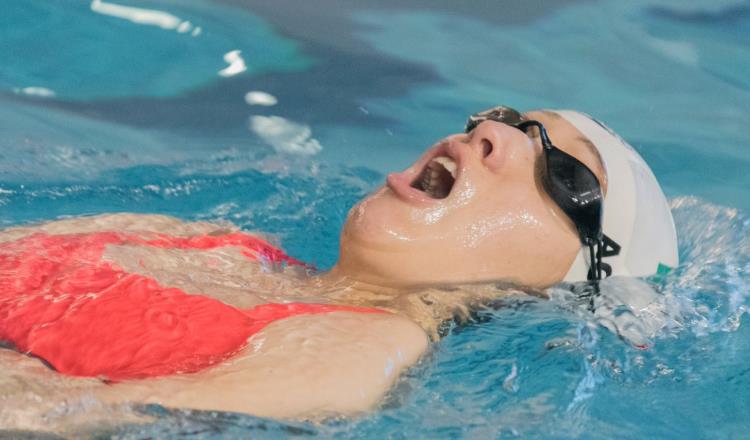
(149, 309)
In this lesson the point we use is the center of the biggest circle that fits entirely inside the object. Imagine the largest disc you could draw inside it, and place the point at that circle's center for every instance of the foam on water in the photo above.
(526, 367)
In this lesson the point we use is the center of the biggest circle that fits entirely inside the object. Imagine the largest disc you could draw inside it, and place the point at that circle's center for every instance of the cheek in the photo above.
(501, 201)
(518, 240)
(510, 215)
(500, 229)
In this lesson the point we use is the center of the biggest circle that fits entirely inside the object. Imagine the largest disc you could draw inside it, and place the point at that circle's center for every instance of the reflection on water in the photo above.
(144, 16)
(236, 64)
(285, 136)
(260, 98)
(115, 50)
(41, 92)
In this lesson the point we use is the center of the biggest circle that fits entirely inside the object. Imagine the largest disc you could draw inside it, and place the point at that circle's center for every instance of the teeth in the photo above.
(437, 178)
(435, 181)
(447, 163)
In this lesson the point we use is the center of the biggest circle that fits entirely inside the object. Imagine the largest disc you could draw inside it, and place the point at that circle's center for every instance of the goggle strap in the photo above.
(587, 292)
(610, 247)
(593, 263)
(605, 247)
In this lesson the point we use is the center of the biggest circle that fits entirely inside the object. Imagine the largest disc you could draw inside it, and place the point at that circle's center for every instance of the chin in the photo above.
(379, 220)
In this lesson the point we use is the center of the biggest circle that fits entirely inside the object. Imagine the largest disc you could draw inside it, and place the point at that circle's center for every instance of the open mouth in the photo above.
(437, 178)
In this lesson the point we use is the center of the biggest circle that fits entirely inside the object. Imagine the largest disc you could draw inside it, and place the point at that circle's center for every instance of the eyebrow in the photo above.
(552, 115)
(585, 141)
(589, 145)
(593, 150)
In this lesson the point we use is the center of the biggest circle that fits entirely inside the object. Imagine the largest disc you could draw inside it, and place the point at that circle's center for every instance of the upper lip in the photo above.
(448, 149)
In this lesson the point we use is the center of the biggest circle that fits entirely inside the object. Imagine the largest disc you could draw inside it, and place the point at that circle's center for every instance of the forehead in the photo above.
(567, 138)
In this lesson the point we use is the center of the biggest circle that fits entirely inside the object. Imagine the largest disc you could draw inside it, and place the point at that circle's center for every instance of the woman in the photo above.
(133, 308)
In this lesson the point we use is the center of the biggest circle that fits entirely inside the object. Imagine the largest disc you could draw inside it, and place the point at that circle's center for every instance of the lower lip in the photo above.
(400, 183)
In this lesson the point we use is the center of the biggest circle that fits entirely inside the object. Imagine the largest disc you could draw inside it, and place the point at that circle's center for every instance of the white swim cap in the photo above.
(636, 213)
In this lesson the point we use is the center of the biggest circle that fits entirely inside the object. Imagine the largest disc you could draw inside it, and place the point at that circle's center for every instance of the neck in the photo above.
(428, 306)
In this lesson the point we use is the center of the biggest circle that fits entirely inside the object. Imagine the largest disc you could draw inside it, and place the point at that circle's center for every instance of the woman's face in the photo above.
(472, 208)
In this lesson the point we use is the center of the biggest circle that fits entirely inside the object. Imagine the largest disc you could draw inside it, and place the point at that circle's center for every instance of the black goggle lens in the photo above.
(576, 191)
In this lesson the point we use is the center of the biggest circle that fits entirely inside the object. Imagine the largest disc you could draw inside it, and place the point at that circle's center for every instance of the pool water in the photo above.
(278, 116)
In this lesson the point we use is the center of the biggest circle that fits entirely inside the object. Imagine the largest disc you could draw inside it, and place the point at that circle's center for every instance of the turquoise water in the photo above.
(100, 113)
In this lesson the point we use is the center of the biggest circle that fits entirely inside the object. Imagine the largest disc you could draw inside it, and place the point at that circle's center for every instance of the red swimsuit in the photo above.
(87, 317)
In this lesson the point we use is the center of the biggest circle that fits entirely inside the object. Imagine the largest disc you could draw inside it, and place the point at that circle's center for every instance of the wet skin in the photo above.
(497, 222)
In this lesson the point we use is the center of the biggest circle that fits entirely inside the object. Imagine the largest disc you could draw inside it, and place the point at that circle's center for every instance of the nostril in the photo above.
(486, 148)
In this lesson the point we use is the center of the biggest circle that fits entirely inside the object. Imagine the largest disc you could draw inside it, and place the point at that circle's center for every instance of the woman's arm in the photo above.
(307, 367)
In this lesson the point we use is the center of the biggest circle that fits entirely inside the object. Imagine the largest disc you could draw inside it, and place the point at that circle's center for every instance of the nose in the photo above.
(493, 141)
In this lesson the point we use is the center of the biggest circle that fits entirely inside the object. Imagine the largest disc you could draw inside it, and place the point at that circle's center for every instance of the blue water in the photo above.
(100, 114)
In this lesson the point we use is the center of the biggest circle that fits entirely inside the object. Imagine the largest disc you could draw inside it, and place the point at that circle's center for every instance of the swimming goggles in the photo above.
(570, 184)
